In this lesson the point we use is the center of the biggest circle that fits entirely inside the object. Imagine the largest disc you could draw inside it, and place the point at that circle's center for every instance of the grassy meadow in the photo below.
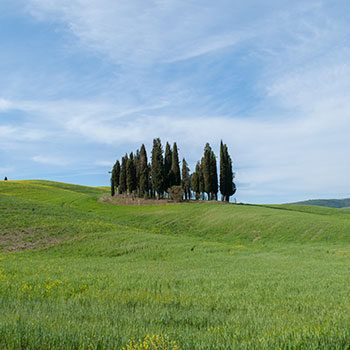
(78, 273)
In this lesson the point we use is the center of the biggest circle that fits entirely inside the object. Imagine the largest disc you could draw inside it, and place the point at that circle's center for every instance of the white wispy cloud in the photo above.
(51, 160)
(5, 105)
(142, 32)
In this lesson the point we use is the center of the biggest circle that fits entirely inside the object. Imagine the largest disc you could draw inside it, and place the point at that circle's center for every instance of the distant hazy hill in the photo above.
(331, 203)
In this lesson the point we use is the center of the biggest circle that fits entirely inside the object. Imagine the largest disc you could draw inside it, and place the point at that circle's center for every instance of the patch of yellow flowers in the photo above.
(152, 342)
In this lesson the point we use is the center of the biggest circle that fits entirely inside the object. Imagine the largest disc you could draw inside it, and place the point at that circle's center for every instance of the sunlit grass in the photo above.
(176, 271)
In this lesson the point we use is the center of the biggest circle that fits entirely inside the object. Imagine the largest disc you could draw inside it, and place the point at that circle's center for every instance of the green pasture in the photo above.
(76, 273)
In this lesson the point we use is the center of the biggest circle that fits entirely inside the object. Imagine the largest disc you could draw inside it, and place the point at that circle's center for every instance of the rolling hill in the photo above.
(80, 273)
(331, 203)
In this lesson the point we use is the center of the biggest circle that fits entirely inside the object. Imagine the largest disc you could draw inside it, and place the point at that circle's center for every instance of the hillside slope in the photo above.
(206, 275)
(38, 213)
(331, 203)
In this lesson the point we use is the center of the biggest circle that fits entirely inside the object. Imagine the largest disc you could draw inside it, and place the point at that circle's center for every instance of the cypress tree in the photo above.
(231, 187)
(112, 188)
(213, 177)
(137, 170)
(115, 177)
(144, 172)
(195, 185)
(157, 168)
(227, 187)
(200, 176)
(175, 168)
(122, 177)
(206, 168)
(167, 167)
(186, 180)
(131, 174)
(151, 191)
(223, 172)
(210, 173)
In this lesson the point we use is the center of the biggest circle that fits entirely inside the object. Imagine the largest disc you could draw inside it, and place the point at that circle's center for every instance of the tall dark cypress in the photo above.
(231, 187)
(151, 191)
(144, 173)
(195, 185)
(227, 187)
(131, 174)
(115, 177)
(199, 172)
(186, 180)
(213, 177)
(175, 167)
(112, 188)
(157, 168)
(206, 168)
(137, 171)
(210, 173)
(167, 167)
(223, 172)
(122, 177)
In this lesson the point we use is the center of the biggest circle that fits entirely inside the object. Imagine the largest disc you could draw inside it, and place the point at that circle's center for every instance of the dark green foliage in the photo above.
(223, 172)
(112, 188)
(137, 177)
(175, 178)
(227, 187)
(131, 174)
(200, 178)
(186, 179)
(137, 170)
(195, 185)
(198, 181)
(167, 166)
(210, 172)
(143, 173)
(122, 177)
(115, 177)
(213, 177)
(157, 168)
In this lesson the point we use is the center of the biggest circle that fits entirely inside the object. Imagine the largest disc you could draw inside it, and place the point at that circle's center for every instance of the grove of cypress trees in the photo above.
(157, 168)
(186, 180)
(136, 176)
(175, 168)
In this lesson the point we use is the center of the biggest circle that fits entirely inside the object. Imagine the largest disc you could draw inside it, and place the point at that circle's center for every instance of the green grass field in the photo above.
(76, 273)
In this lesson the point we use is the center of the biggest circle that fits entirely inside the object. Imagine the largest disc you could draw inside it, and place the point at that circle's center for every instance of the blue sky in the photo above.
(84, 81)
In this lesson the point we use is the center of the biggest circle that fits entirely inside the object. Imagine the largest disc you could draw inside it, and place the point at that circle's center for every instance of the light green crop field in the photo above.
(76, 273)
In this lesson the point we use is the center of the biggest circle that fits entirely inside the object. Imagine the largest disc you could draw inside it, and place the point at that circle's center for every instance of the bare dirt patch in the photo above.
(130, 200)
(26, 240)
